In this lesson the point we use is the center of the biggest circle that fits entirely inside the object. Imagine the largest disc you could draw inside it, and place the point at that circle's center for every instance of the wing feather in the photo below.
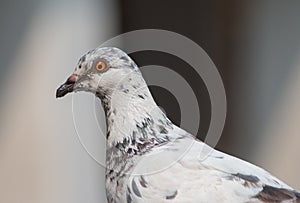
(187, 170)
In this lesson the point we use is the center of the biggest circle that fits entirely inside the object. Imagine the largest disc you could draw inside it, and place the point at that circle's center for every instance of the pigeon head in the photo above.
(100, 71)
(116, 80)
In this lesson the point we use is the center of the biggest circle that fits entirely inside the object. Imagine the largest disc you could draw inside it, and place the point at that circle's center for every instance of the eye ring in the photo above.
(100, 66)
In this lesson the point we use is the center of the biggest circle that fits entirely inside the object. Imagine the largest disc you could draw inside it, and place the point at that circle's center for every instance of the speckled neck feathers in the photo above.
(133, 118)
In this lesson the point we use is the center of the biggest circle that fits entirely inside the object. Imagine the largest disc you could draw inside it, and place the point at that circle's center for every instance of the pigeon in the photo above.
(150, 159)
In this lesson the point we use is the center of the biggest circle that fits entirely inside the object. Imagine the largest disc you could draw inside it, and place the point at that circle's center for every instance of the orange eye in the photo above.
(100, 66)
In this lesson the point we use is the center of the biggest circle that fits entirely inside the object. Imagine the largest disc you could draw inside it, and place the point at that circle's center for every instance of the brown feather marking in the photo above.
(249, 180)
(251, 184)
(272, 194)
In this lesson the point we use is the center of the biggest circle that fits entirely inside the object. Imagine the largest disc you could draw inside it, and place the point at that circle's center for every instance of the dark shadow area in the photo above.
(211, 24)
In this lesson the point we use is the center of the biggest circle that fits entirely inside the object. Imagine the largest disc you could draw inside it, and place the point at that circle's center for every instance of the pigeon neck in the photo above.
(132, 116)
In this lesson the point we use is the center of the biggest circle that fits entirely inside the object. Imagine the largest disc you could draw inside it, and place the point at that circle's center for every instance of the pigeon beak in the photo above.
(67, 87)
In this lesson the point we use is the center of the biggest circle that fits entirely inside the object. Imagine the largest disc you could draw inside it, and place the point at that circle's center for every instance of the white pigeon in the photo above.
(149, 159)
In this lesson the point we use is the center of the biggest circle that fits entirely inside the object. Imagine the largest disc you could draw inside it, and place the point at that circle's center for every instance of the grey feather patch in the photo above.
(172, 196)
(135, 189)
(143, 182)
(125, 58)
(128, 198)
(162, 129)
(141, 96)
(128, 190)
(249, 178)
(128, 195)
(82, 59)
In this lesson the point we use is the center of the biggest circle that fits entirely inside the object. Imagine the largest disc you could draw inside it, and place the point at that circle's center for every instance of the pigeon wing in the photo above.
(186, 170)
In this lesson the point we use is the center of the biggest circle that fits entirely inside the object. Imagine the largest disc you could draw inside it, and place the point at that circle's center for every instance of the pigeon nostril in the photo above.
(72, 79)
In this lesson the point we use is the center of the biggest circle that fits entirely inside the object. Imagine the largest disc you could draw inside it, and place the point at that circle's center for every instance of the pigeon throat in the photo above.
(133, 118)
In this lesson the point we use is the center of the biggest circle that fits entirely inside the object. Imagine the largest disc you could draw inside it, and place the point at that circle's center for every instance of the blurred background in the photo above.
(254, 44)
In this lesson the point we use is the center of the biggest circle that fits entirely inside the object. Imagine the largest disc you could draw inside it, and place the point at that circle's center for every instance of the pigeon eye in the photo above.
(100, 66)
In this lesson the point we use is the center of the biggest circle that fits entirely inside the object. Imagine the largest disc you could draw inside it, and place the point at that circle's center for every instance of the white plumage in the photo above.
(200, 175)
(149, 159)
